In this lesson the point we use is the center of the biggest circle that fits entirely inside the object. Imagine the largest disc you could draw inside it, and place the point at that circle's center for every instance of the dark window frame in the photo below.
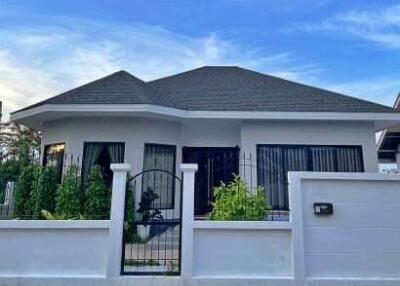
(307, 148)
(45, 159)
(101, 143)
(174, 171)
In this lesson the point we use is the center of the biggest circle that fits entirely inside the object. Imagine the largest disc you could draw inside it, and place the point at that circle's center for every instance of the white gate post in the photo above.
(116, 227)
(187, 219)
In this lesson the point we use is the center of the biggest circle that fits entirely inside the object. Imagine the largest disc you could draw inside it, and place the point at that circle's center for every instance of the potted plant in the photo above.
(147, 213)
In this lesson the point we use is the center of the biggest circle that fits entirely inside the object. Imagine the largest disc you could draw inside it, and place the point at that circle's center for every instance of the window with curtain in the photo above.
(161, 157)
(275, 161)
(53, 156)
(102, 154)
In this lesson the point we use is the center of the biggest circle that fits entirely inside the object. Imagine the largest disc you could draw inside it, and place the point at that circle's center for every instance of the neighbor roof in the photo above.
(214, 88)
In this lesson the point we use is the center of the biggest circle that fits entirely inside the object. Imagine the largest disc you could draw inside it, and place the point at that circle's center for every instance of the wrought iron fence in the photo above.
(152, 232)
(232, 192)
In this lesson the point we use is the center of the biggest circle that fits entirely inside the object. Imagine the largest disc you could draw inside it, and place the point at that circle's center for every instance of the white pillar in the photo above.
(187, 219)
(398, 158)
(114, 257)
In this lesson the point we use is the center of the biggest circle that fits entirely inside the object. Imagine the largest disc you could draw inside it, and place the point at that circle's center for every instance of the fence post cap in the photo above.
(189, 167)
(120, 167)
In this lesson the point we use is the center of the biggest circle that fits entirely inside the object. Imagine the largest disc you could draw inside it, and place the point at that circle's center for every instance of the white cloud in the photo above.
(380, 25)
(37, 62)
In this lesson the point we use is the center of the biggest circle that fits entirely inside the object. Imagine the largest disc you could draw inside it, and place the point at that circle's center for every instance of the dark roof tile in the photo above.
(215, 89)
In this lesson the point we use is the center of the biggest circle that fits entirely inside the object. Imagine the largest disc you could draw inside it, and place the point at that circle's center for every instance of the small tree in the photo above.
(235, 202)
(69, 199)
(44, 191)
(98, 196)
(23, 192)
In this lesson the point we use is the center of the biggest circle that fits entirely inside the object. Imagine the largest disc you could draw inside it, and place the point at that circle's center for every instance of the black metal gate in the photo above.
(152, 229)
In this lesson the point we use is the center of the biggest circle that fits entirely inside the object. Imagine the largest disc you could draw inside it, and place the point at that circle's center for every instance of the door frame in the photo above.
(210, 149)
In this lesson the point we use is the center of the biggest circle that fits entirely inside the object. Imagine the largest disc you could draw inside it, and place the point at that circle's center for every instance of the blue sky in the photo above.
(47, 47)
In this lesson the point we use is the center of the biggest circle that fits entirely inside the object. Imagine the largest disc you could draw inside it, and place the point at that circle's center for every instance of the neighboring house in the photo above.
(210, 116)
(389, 142)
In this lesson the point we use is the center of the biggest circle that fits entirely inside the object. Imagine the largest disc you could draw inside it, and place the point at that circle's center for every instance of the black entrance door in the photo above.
(216, 165)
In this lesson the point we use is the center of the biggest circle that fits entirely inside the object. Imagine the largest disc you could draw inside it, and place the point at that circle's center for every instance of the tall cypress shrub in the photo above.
(98, 196)
(70, 197)
(23, 192)
(44, 191)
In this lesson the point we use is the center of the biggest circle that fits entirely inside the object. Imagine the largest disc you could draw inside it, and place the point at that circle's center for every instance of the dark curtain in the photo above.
(116, 151)
(274, 162)
(92, 151)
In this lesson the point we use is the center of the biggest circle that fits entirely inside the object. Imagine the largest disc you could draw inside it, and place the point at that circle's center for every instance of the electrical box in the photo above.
(323, 208)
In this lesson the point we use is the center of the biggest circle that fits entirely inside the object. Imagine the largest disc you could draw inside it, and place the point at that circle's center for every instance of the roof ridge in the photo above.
(191, 70)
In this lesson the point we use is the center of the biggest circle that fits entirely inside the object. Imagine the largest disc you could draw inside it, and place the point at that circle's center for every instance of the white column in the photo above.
(114, 257)
(187, 220)
(398, 158)
(296, 219)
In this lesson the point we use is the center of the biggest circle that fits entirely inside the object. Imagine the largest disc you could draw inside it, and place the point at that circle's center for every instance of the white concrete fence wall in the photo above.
(358, 245)
(361, 240)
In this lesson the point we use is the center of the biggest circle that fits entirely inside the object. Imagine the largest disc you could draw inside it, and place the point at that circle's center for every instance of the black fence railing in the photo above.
(227, 189)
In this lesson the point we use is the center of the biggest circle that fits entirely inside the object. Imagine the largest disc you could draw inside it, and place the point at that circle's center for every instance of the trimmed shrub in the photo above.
(23, 192)
(44, 190)
(235, 202)
(70, 196)
(97, 196)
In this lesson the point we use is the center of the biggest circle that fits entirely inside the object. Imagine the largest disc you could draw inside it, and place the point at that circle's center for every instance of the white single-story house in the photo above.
(313, 151)
(211, 116)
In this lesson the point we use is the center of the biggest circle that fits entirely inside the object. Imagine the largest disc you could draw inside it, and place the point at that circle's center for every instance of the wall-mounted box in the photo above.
(323, 208)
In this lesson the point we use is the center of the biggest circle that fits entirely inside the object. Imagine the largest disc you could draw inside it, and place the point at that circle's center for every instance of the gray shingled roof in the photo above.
(215, 89)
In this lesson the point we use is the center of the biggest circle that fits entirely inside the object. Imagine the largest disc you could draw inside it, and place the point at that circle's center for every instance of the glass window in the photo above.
(161, 157)
(275, 161)
(102, 154)
(53, 156)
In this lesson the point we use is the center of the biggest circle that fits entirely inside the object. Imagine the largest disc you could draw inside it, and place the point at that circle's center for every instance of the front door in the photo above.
(216, 165)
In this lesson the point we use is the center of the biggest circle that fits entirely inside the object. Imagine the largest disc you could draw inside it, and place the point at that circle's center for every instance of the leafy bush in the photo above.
(44, 189)
(70, 196)
(23, 192)
(98, 196)
(235, 202)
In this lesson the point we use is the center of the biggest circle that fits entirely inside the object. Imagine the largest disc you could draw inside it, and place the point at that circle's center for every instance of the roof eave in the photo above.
(35, 117)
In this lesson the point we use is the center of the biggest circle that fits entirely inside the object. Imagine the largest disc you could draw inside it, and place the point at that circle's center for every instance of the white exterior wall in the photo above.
(135, 132)
(53, 248)
(311, 133)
